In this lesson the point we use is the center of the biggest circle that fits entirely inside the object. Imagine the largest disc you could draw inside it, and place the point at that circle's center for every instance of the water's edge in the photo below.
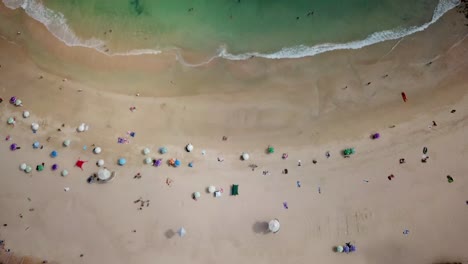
(56, 23)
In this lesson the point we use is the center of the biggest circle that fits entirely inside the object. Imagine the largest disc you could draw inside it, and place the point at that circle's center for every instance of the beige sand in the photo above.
(300, 106)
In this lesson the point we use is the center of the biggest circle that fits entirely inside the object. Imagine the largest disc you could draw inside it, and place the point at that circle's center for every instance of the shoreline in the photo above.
(304, 107)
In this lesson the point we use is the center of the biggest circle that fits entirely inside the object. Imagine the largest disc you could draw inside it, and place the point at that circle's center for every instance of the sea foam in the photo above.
(56, 23)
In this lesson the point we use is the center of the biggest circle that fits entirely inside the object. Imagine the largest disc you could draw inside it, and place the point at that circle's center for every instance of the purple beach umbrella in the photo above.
(54, 167)
(352, 248)
(375, 136)
(13, 100)
(346, 249)
(157, 162)
(13, 146)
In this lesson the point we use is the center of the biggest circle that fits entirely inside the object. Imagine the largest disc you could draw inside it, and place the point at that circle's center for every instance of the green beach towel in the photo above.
(235, 189)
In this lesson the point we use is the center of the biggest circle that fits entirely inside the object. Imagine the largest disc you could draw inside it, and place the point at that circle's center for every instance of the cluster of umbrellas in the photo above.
(174, 162)
(15, 101)
(347, 248)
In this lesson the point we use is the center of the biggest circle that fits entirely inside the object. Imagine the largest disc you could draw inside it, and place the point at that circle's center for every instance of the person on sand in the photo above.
(402, 161)
(299, 163)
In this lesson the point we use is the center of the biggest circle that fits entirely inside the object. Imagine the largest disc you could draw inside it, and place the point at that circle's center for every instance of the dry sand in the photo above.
(303, 107)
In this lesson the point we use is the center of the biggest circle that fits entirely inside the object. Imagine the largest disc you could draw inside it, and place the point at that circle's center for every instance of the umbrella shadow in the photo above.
(261, 227)
(169, 234)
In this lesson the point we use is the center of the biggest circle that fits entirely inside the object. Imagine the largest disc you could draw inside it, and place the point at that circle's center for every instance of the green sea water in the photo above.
(240, 25)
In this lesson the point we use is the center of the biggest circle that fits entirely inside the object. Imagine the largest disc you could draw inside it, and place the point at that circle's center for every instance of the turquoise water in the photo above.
(240, 26)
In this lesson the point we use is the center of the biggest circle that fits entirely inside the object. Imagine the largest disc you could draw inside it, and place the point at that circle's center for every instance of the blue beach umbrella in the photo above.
(346, 249)
(122, 161)
(352, 248)
(53, 154)
(163, 150)
(36, 144)
(177, 163)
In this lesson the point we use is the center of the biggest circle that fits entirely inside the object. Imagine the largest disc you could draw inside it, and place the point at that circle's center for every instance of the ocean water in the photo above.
(232, 29)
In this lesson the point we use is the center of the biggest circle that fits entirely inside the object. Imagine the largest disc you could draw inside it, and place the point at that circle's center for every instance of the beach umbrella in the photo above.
(11, 121)
(97, 150)
(40, 167)
(54, 167)
(352, 248)
(339, 249)
(12, 99)
(54, 154)
(81, 127)
(79, 163)
(181, 232)
(148, 160)
(26, 114)
(346, 249)
(375, 136)
(274, 225)
(18, 102)
(245, 156)
(211, 189)
(157, 162)
(23, 166)
(122, 161)
(177, 163)
(13, 146)
(36, 144)
(189, 147)
(64, 173)
(196, 195)
(28, 169)
(103, 174)
(35, 126)
(100, 163)
(163, 150)
(271, 149)
(146, 151)
(66, 143)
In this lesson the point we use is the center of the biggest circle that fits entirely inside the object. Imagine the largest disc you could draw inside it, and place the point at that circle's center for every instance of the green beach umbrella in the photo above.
(271, 149)
(23, 166)
(64, 173)
(339, 249)
(66, 143)
(40, 167)
(148, 160)
(11, 121)
(28, 169)
(196, 195)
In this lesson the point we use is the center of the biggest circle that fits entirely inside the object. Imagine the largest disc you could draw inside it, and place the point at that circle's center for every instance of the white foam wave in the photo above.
(305, 51)
(56, 23)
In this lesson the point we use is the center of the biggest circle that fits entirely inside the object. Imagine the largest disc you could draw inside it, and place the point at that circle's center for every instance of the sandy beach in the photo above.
(302, 107)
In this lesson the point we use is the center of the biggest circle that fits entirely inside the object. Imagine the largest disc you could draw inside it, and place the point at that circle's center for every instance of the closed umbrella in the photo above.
(245, 156)
(64, 173)
(104, 174)
(146, 151)
(148, 160)
(97, 150)
(189, 147)
(163, 150)
(66, 142)
(122, 161)
(274, 225)
(181, 232)
(211, 189)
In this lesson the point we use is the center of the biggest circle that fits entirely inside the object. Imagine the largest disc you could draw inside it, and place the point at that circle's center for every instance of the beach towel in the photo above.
(235, 189)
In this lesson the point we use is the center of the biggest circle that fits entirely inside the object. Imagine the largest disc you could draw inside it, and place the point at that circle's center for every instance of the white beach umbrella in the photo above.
(146, 151)
(64, 173)
(196, 195)
(245, 156)
(104, 174)
(35, 126)
(339, 249)
(148, 160)
(211, 189)
(81, 128)
(100, 163)
(28, 169)
(23, 166)
(97, 150)
(181, 232)
(18, 102)
(26, 114)
(11, 121)
(274, 225)
(189, 147)
(66, 143)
